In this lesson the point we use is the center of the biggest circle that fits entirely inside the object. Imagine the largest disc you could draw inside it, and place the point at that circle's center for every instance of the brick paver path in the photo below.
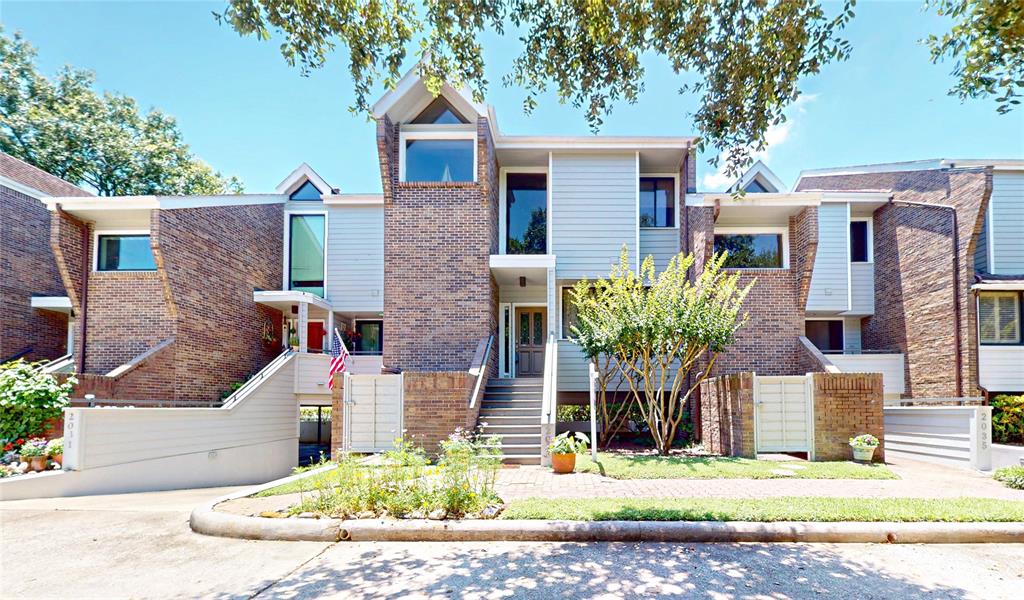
(917, 480)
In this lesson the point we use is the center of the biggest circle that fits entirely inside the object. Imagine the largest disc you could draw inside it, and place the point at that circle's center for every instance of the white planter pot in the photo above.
(863, 453)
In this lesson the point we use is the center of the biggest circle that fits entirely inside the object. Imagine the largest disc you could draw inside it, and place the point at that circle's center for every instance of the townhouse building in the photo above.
(457, 275)
(31, 325)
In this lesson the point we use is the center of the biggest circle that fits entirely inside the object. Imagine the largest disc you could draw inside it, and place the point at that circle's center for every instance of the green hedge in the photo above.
(1008, 419)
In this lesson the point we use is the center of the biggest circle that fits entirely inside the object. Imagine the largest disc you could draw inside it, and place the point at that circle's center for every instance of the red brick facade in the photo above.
(209, 262)
(27, 266)
(439, 298)
(768, 343)
(846, 405)
(727, 415)
(914, 275)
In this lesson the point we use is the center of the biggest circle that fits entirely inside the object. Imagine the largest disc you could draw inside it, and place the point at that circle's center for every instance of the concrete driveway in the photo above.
(140, 546)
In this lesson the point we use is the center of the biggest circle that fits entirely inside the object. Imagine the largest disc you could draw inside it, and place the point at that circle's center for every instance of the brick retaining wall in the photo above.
(727, 415)
(846, 405)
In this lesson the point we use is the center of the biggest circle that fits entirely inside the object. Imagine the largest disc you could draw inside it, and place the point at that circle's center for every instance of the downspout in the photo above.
(956, 284)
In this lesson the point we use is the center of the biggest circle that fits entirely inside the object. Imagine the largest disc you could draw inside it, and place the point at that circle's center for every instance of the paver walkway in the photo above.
(917, 480)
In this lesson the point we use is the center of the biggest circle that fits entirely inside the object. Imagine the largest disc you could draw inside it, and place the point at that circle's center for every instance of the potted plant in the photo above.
(55, 448)
(863, 447)
(564, 449)
(34, 453)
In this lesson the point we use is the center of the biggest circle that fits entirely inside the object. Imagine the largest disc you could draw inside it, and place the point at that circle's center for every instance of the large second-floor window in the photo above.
(657, 202)
(130, 252)
(306, 236)
(439, 160)
(754, 250)
(526, 208)
(999, 317)
(860, 241)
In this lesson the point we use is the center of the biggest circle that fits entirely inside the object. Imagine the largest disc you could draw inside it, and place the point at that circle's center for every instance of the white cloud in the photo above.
(775, 136)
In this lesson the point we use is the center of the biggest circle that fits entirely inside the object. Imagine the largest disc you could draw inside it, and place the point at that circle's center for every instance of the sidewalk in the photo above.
(917, 480)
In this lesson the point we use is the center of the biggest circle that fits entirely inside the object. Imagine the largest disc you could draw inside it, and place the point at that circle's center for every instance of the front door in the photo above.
(315, 336)
(530, 324)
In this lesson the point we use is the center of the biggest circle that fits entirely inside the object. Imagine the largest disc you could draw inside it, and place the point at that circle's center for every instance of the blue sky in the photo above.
(248, 113)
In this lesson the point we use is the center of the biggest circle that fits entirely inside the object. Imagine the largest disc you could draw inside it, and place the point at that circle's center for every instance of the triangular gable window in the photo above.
(307, 191)
(439, 112)
(755, 186)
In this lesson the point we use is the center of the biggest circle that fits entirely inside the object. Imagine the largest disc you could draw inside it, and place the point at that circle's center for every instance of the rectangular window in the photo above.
(569, 316)
(657, 202)
(751, 250)
(826, 335)
(439, 160)
(370, 338)
(306, 253)
(124, 253)
(859, 242)
(526, 206)
(999, 317)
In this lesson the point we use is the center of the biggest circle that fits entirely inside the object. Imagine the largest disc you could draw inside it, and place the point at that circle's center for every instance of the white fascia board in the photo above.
(782, 199)
(522, 261)
(853, 197)
(998, 287)
(1010, 164)
(461, 100)
(54, 303)
(121, 203)
(540, 142)
(767, 175)
(290, 296)
(354, 199)
(22, 188)
(172, 202)
(299, 176)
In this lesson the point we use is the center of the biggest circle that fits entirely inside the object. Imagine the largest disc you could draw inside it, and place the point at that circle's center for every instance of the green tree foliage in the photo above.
(29, 398)
(98, 141)
(663, 331)
(743, 58)
(987, 45)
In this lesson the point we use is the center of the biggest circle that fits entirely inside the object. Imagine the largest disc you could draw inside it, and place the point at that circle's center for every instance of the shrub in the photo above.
(29, 398)
(565, 443)
(864, 440)
(1012, 477)
(406, 485)
(1008, 419)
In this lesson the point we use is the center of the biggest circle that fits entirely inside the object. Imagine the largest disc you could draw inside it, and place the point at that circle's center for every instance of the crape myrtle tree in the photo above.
(663, 332)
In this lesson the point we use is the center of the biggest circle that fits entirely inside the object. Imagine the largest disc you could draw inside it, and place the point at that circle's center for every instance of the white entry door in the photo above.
(782, 414)
(373, 412)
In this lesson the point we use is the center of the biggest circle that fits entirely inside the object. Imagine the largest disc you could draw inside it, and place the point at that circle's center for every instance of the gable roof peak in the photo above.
(299, 176)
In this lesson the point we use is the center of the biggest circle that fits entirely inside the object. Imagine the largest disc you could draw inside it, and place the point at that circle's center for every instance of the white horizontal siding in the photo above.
(862, 281)
(830, 281)
(1001, 368)
(593, 212)
(109, 436)
(851, 334)
(355, 258)
(572, 368)
(662, 243)
(311, 374)
(944, 435)
(889, 365)
(1007, 223)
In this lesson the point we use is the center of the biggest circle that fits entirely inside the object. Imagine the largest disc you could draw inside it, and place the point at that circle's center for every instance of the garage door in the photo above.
(373, 412)
(782, 414)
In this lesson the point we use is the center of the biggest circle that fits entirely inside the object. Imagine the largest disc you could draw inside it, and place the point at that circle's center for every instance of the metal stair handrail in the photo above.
(480, 368)
(257, 379)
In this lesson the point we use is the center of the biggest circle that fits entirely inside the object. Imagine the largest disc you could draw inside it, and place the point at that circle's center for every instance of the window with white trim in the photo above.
(999, 317)
(438, 146)
(754, 248)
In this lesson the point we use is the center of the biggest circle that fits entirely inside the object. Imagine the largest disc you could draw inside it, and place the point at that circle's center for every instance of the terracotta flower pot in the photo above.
(35, 463)
(563, 463)
(58, 458)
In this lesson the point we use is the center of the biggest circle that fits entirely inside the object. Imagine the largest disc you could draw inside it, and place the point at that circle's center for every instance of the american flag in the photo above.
(339, 358)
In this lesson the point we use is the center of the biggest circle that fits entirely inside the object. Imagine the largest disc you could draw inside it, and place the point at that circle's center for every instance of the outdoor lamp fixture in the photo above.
(522, 282)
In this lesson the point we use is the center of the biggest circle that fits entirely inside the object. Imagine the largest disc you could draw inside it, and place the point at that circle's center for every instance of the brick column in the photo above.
(846, 405)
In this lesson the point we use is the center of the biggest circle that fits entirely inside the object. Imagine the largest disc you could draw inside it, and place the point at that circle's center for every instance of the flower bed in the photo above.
(406, 485)
(22, 457)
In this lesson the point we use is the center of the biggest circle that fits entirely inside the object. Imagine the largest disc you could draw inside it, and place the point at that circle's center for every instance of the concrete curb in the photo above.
(210, 522)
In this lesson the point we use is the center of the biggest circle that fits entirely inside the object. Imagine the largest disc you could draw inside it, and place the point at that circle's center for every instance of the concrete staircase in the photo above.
(511, 409)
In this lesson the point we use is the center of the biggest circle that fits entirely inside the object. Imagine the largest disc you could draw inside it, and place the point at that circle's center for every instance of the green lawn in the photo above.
(766, 509)
(619, 466)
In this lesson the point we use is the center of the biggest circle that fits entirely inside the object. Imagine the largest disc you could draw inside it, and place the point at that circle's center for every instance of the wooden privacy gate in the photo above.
(373, 412)
(783, 414)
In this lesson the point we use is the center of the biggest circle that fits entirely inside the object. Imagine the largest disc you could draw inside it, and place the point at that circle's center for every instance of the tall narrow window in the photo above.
(371, 337)
(999, 317)
(526, 221)
(306, 253)
(859, 243)
(657, 202)
(124, 253)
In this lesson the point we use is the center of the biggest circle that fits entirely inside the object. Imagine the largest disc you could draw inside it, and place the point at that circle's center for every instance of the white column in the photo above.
(552, 303)
(329, 340)
(303, 327)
